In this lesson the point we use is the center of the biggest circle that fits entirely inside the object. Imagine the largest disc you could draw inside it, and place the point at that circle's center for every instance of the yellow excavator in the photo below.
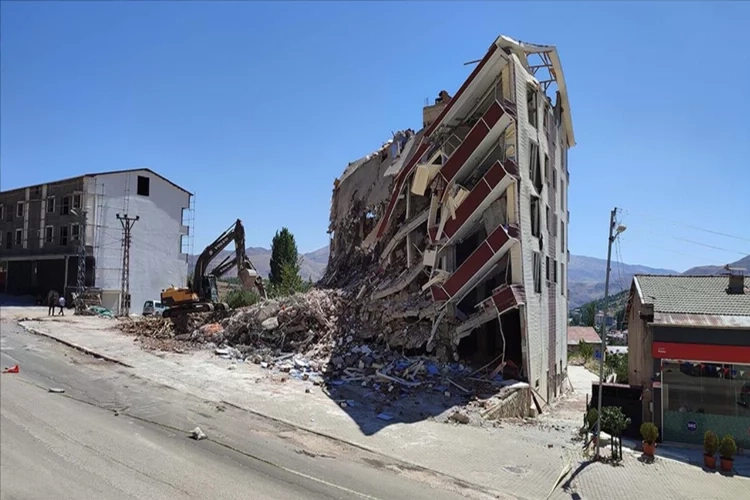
(201, 295)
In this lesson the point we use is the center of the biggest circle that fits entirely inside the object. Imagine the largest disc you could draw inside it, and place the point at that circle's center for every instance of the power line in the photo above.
(690, 226)
(743, 253)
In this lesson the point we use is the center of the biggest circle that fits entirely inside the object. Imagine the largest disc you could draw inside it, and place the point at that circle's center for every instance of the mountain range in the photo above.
(585, 274)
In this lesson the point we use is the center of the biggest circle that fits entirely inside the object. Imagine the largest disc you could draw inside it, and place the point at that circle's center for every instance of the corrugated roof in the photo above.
(693, 295)
(585, 333)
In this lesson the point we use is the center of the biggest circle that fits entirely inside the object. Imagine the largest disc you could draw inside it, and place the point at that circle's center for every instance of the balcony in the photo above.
(507, 297)
(468, 274)
(486, 131)
(497, 179)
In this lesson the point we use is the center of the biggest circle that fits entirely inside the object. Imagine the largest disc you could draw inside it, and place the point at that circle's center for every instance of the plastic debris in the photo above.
(198, 434)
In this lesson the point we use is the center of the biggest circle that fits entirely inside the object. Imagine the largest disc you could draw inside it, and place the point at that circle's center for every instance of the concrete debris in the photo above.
(459, 417)
(198, 434)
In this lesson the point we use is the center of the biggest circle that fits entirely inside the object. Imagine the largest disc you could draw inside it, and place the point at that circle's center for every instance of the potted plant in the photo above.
(727, 450)
(710, 445)
(650, 434)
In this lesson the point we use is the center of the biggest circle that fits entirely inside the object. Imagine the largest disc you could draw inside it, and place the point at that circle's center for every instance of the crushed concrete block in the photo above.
(270, 323)
(459, 417)
(198, 434)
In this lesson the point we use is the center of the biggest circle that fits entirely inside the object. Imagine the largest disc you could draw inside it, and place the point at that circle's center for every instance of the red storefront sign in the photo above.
(701, 352)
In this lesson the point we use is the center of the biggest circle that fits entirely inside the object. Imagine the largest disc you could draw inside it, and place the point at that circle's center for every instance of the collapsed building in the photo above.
(453, 238)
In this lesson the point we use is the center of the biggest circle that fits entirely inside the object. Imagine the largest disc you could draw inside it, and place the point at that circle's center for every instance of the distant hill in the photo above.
(743, 263)
(586, 278)
(313, 263)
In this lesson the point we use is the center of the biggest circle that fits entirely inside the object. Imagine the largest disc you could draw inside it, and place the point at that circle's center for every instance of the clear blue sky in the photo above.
(258, 107)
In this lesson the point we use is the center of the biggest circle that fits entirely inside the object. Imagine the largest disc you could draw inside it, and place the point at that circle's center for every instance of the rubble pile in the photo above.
(158, 328)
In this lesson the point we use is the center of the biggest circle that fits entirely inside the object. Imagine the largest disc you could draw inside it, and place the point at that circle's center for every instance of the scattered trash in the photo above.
(385, 416)
(56, 390)
(12, 369)
(198, 434)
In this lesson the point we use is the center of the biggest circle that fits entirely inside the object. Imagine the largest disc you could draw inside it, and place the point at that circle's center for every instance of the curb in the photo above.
(77, 347)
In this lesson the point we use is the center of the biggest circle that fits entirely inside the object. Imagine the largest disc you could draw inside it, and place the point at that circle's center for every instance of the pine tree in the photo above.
(283, 254)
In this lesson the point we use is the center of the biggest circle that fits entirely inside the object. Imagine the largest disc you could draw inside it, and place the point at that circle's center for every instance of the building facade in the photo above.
(689, 350)
(46, 229)
(468, 217)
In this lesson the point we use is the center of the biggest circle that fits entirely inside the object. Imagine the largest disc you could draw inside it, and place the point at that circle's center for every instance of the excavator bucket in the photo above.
(251, 281)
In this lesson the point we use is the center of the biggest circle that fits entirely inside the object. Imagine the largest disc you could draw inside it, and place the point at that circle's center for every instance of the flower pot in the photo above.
(727, 464)
(709, 461)
(649, 449)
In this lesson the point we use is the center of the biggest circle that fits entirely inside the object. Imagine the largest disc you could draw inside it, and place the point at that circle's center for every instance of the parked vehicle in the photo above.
(153, 308)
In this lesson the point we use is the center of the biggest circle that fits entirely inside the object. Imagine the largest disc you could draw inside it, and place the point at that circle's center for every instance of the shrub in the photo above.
(591, 417)
(241, 298)
(710, 443)
(649, 432)
(614, 420)
(585, 350)
(727, 447)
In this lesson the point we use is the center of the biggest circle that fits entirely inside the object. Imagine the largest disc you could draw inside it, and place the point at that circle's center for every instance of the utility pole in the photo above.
(127, 226)
(613, 233)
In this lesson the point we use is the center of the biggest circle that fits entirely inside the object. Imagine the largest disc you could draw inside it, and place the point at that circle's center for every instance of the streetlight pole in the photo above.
(613, 233)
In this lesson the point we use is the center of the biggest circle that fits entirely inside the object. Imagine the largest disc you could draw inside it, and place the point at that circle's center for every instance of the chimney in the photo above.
(736, 281)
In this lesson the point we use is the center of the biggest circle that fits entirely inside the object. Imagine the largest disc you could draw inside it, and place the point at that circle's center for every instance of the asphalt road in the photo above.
(111, 435)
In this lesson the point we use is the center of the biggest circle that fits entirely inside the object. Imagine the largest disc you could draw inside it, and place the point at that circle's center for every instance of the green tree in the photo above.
(588, 314)
(283, 254)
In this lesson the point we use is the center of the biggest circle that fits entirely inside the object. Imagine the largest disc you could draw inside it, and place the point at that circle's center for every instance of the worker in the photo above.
(52, 298)
(61, 303)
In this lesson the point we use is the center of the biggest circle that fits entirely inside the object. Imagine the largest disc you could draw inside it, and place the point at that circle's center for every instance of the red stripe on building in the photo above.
(701, 352)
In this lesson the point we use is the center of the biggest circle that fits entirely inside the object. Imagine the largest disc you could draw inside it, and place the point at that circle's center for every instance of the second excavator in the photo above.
(202, 295)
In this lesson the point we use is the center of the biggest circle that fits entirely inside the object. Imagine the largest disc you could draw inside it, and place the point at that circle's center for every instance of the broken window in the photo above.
(75, 232)
(51, 205)
(76, 201)
(537, 264)
(535, 216)
(531, 104)
(144, 186)
(19, 209)
(545, 117)
(49, 234)
(63, 235)
(19, 237)
(65, 208)
(535, 171)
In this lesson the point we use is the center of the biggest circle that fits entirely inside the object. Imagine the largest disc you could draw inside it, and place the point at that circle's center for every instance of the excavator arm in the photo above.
(247, 273)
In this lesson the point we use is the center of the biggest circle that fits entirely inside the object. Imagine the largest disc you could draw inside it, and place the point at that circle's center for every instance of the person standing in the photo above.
(61, 303)
(52, 298)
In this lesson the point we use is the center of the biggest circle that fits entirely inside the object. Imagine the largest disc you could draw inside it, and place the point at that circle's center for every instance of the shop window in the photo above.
(705, 396)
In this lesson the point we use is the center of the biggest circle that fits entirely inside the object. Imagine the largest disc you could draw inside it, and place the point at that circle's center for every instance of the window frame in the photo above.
(50, 209)
(75, 235)
(536, 260)
(19, 205)
(147, 186)
(16, 240)
(63, 237)
(76, 201)
(49, 234)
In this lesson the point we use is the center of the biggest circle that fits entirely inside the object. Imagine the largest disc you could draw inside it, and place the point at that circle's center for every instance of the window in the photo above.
(535, 172)
(2, 212)
(8, 240)
(562, 278)
(546, 167)
(1, 239)
(554, 270)
(535, 216)
(76, 201)
(51, 204)
(554, 179)
(49, 234)
(537, 264)
(562, 195)
(75, 232)
(531, 106)
(143, 185)
(19, 237)
(545, 116)
(547, 219)
(19, 209)
(546, 267)
(63, 235)
(562, 236)
(65, 208)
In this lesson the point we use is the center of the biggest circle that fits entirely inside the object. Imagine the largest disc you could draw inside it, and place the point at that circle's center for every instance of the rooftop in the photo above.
(706, 295)
(585, 333)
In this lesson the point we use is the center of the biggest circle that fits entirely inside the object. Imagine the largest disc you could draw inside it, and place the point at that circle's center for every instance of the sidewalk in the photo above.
(521, 459)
